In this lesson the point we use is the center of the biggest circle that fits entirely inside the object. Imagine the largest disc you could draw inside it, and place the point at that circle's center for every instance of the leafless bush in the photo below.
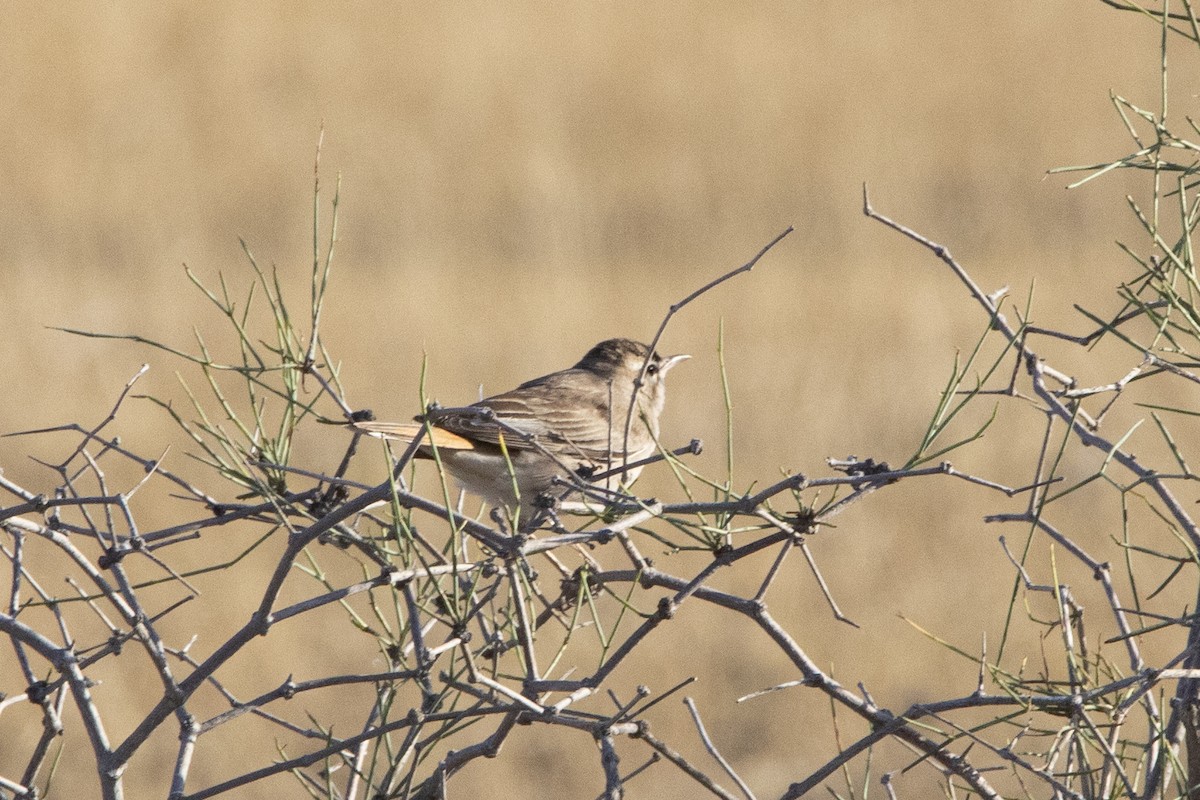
(483, 630)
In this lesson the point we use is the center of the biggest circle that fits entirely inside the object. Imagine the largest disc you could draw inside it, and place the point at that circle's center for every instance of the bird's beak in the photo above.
(671, 361)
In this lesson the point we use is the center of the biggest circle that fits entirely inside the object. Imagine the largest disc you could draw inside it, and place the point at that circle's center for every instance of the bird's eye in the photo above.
(652, 369)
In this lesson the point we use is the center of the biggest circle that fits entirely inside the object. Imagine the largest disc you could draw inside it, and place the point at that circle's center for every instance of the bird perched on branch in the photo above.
(569, 425)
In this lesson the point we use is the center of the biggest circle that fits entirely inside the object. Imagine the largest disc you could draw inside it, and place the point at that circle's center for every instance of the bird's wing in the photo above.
(565, 426)
(478, 427)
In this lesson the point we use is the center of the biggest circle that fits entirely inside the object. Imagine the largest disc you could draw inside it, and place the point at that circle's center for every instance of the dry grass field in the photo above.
(521, 180)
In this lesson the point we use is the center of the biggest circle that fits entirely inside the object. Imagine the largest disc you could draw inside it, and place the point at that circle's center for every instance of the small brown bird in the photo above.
(566, 423)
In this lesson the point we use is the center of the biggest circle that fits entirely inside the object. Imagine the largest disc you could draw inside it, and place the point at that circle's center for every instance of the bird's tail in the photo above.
(408, 431)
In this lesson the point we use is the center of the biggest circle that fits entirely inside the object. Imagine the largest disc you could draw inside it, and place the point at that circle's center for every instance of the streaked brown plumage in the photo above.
(576, 416)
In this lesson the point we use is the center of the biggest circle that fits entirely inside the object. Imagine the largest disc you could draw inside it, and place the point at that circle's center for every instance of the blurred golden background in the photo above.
(521, 180)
